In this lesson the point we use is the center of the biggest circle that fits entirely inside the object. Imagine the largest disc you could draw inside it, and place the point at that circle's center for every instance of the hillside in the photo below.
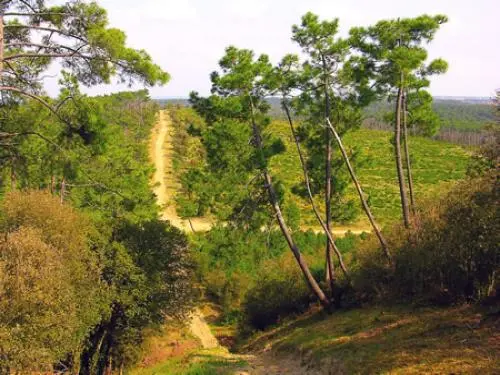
(436, 166)
(395, 340)
(464, 114)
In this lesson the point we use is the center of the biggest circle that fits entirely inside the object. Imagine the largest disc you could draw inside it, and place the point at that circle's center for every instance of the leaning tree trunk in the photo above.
(93, 347)
(330, 276)
(364, 203)
(329, 236)
(63, 190)
(399, 162)
(191, 225)
(273, 199)
(13, 176)
(2, 38)
(407, 152)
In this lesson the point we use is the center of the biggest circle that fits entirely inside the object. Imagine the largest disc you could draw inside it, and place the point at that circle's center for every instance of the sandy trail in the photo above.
(165, 183)
(201, 330)
(165, 188)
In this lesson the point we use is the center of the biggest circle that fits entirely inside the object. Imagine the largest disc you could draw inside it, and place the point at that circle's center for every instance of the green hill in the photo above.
(436, 166)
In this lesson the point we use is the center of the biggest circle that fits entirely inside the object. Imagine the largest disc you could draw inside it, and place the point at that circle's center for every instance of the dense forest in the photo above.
(460, 122)
(342, 204)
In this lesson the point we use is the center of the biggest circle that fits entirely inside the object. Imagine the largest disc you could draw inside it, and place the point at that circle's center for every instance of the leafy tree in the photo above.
(107, 174)
(51, 291)
(237, 103)
(149, 270)
(334, 93)
(393, 57)
(75, 33)
(34, 35)
(284, 79)
(325, 55)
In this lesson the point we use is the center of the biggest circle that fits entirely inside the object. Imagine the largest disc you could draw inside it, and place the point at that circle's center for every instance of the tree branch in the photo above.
(43, 28)
(39, 55)
(76, 53)
(364, 204)
(42, 46)
(34, 14)
(35, 97)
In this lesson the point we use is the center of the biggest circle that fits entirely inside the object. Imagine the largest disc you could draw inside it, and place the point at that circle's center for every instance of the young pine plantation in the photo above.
(314, 244)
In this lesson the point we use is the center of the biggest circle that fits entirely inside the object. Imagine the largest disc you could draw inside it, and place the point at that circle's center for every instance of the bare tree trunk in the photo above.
(330, 276)
(364, 203)
(2, 39)
(407, 152)
(329, 236)
(13, 177)
(191, 225)
(94, 346)
(399, 163)
(52, 184)
(109, 367)
(313, 284)
(63, 189)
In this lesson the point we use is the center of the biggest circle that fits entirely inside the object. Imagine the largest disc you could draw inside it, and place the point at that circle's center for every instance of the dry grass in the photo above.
(396, 340)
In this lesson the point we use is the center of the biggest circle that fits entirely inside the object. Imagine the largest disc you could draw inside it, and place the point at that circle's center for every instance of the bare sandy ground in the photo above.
(165, 184)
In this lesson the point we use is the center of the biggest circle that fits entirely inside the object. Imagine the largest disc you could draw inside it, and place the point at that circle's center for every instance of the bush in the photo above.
(449, 255)
(279, 292)
(50, 289)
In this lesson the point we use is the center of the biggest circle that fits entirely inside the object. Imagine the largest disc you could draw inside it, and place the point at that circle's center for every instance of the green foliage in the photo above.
(393, 56)
(85, 46)
(329, 89)
(237, 148)
(102, 168)
(47, 269)
(158, 285)
(279, 292)
(232, 263)
(450, 254)
(103, 163)
(187, 127)
(436, 166)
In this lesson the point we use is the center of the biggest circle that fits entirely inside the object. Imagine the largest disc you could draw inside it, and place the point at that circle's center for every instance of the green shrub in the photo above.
(51, 294)
(450, 254)
(279, 292)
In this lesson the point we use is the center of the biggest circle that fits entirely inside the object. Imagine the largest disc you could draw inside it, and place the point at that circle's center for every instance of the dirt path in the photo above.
(165, 188)
(201, 330)
(166, 185)
(256, 364)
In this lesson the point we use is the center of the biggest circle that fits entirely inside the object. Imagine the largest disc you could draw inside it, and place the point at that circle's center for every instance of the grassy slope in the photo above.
(395, 340)
(436, 165)
(175, 351)
(372, 340)
(200, 362)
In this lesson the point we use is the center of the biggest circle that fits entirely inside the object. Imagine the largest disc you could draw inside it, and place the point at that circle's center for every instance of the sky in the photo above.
(188, 37)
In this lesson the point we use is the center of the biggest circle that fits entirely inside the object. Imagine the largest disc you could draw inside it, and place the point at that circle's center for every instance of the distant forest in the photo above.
(462, 122)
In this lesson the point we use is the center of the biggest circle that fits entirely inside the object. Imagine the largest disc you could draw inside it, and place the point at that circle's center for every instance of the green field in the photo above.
(436, 166)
